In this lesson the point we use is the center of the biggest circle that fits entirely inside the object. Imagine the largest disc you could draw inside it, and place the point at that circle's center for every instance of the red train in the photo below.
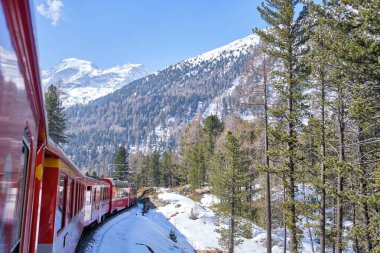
(45, 201)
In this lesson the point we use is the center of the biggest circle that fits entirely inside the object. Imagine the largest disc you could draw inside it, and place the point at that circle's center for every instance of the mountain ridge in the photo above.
(150, 113)
(82, 81)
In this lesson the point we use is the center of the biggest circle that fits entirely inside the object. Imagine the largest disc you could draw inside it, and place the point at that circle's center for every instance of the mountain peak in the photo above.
(235, 48)
(82, 81)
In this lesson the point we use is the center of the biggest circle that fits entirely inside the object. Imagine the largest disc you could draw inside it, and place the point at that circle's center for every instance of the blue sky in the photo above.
(156, 33)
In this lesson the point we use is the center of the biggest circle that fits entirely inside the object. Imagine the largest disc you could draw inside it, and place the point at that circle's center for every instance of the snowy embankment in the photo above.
(132, 232)
(201, 232)
(194, 224)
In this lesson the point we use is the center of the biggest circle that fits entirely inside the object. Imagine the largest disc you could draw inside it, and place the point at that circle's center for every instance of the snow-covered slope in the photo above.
(82, 81)
(235, 49)
(210, 83)
(131, 232)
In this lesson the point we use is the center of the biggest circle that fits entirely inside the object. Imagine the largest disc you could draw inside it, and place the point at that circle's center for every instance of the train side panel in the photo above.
(61, 220)
(97, 201)
(119, 194)
(22, 131)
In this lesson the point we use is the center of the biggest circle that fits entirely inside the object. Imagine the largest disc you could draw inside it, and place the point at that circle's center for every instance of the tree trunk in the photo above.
(232, 221)
(357, 249)
(339, 204)
(291, 166)
(322, 221)
(363, 189)
(307, 219)
(284, 218)
(267, 179)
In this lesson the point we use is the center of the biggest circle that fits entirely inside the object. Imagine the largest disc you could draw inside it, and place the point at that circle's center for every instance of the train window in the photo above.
(72, 200)
(69, 191)
(14, 196)
(75, 204)
(88, 195)
(77, 192)
(83, 201)
(81, 197)
(61, 205)
(94, 199)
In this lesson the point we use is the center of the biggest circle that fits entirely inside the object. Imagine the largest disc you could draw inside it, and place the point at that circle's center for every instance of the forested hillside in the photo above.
(310, 167)
(150, 113)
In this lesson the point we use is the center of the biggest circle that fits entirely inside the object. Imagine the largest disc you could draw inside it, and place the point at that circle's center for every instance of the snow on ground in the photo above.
(130, 232)
(201, 232)
(209, 200)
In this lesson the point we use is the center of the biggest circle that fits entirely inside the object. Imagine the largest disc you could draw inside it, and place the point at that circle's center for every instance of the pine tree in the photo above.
(167, 169)
(229, 176)
(319, 60)
(55, 115)
(154, 169)
(197, 165)
(211, 129)
(120, 163)
(359, 50)
(285, 42)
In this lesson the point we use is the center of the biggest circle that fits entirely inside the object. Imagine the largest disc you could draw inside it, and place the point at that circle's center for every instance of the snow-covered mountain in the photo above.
(82, 81)
(150, 113)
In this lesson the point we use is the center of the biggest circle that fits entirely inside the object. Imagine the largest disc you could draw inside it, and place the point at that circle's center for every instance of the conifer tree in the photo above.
(359, 50)
(229, 176)
(154, 170)
(320, 61)
(167, 169)
(120, 163)
(285, 42)
(197, 165)
(55, 115)
(211, 129)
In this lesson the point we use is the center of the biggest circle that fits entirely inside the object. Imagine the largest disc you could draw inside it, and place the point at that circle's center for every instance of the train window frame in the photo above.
(72, 199)
(64, 209)
(68, 196)
(76, 197)
(83, 198)
(20, 226)
(94, 196)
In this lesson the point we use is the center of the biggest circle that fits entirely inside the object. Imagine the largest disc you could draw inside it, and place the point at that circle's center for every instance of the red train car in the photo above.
(62, 203)
(119, 191)
(22, 129)
(42, 193)
(97, 199)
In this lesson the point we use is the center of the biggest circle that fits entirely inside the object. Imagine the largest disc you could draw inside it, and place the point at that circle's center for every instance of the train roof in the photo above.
(94, 180)
(117, 183)
(55, 151)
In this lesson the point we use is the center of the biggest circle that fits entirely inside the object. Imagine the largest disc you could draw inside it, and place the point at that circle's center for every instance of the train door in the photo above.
(88, 202)
(94, 204)
(101, 201)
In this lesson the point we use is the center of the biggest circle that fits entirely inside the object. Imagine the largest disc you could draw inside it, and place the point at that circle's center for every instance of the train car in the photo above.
(119, 192)
(97, 199)
(62, 204)
(22, 129)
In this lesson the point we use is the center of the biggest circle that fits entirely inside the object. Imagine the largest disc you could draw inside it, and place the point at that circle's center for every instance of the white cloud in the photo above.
(51, 9)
